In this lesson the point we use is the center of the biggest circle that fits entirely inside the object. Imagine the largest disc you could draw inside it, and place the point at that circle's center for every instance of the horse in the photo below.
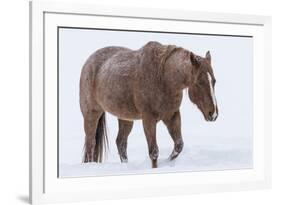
(145, 84)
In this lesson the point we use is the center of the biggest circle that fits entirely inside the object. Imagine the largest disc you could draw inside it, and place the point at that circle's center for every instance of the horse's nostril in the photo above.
(209, 116)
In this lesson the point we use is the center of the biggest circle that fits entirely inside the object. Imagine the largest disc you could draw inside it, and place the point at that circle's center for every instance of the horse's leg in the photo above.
(149, 126)
(125, 128)
(173, 124)
(90, 126)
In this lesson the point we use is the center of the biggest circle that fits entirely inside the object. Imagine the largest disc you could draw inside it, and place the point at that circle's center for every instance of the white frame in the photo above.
(45, 18)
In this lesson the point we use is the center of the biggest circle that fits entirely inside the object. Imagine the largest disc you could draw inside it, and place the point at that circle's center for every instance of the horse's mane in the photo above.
(154, 55)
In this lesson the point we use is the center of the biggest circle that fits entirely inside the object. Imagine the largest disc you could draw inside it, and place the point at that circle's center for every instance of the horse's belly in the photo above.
(122, 110)
(126, 116)
(116, 97)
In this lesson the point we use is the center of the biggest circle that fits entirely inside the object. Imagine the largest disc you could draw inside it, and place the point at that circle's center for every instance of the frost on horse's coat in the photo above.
(144, 84)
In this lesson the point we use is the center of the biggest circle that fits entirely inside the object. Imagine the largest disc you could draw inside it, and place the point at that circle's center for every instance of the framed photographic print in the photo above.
(128, 102)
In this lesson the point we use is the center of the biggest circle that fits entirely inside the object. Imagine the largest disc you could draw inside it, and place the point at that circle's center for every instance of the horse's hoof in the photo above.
(154, 163)
(124, 160)
(86, 159)
(173, 155)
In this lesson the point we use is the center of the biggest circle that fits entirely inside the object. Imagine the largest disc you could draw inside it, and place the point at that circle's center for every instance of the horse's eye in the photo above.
(201, 82)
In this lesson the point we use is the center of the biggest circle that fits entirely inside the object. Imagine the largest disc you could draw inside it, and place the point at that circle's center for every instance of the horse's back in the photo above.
(98, 58)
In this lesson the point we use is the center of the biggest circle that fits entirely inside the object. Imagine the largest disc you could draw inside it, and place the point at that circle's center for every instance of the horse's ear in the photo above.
(193, 60)
(208, 56)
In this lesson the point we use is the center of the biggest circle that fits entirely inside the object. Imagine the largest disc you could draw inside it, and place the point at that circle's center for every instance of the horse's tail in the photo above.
(101, 145)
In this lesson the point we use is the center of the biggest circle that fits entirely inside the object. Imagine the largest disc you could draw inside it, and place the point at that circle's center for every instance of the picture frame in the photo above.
(46, 187)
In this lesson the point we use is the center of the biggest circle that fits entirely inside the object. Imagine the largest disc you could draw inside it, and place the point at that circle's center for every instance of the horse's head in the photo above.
(202, 86)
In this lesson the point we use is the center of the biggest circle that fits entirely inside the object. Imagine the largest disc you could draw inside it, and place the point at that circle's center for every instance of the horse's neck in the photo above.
(178, 73)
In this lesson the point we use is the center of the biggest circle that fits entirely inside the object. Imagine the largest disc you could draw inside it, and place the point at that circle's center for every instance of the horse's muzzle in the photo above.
(212, 116)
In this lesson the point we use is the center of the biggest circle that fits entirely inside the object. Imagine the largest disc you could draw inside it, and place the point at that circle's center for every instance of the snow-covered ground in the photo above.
(196, 156)
(211, 150)
(220, 145)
